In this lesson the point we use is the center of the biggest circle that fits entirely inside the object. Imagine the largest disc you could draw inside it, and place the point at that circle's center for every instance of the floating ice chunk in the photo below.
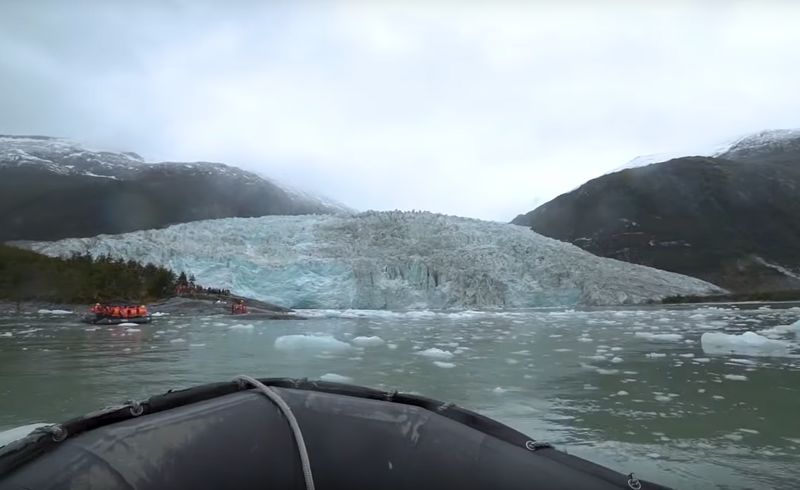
(782, 330)
(596, 358)
(742, 361)
(197, 345)
(607, 371)
(372, 341)
(701, 390)
(336, 378)
(660, 337)
(127, 324)
(749, 343)
(616, 360)
(54, 312)
(311, 343)
(662, 398)
(687, 355)
(499, 390)
(444, 365)
(585, 339)
(133, 330)
(436, 353)
(512, 361)
(748, 431)
(159, 313)
(6, 334)
(242, 327)
(391, 346)
(654, 355)
(718, 397)
(701, 359)
(563, 349)
(622, 393)
(735, 377)
(178, 341)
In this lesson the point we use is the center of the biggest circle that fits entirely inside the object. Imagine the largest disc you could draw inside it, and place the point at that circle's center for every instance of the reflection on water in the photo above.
(631, 388)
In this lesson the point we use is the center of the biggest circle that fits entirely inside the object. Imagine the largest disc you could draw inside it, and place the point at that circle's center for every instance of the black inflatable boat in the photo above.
(283, 433)
(110, 320)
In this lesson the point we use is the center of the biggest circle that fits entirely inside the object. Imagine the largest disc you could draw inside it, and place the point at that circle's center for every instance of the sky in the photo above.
(480, 109)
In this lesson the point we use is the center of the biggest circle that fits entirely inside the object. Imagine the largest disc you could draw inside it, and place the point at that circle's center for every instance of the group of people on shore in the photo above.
(119, 311)
(195, 289)
(238, 307)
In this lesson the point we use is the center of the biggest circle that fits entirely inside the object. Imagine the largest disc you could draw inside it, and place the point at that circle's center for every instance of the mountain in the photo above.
(386, 260)
(52, 188)
(732, 219)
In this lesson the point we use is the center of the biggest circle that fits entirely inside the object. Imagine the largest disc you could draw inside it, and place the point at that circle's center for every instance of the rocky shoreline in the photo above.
(198, 304)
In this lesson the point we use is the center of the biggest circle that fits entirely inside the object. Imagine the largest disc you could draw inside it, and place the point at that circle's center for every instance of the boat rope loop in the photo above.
(287, 412)
(634, 483)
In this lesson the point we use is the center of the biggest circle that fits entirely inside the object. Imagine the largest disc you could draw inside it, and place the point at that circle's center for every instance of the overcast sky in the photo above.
(481, 109)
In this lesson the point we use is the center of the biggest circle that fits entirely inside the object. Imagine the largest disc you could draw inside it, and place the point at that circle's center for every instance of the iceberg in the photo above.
(387, 260)
(748, 343)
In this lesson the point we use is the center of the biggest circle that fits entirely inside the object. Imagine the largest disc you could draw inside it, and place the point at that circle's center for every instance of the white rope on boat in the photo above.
(287, 412)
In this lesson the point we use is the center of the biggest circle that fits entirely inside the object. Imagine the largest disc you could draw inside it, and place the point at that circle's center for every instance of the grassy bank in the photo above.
(29, 276)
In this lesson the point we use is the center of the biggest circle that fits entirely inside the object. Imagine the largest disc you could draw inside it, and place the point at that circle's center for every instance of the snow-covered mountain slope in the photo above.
(65, 157)
(765, 146)
(53, 188)
(751, 147)
(387, 260)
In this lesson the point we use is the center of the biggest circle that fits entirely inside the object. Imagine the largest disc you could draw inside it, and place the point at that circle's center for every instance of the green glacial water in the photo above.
(629, 388)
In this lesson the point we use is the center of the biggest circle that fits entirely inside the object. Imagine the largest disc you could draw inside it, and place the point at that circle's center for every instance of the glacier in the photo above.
(387, 260)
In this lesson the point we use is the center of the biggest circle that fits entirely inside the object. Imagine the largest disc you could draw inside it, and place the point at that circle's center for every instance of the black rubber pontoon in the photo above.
(231, 436)
(111, 320)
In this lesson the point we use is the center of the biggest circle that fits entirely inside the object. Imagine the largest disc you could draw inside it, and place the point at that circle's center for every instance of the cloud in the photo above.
(475, 109)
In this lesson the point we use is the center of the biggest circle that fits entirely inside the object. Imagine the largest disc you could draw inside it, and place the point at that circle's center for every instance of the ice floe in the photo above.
(299, 342)
(242, 327)
(436, 353)
(660, 337)
(748, 343)
(54, 312)
(371, 341)
(336, 378)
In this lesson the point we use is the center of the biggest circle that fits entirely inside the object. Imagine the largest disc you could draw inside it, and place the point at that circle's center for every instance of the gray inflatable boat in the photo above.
(281, 433)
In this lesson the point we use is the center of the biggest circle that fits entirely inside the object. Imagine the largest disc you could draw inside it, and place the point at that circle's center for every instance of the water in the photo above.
(582, 380)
